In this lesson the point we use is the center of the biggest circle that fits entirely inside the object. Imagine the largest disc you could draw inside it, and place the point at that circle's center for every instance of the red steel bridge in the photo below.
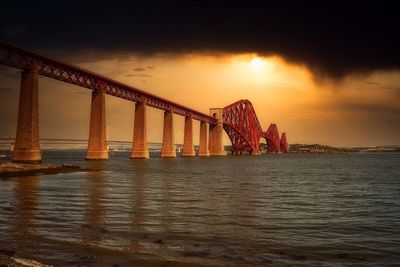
(243, 128)
(239, 119)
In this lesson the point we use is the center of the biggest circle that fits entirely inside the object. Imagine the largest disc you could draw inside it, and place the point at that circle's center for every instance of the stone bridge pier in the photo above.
(27, 142)
(216, 145)
(97, 144)
(240, 120)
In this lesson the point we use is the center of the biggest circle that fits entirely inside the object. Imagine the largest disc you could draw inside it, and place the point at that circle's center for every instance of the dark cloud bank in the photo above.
(331, 38)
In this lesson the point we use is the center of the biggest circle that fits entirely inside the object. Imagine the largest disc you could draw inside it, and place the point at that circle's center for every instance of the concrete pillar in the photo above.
(203, 142)
(216, 144)
(168, 146)
(188, 149)
(97, 145)
(27, 143)
(139, 145)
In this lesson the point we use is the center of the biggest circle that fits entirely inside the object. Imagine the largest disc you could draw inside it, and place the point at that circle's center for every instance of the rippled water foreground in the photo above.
(322, 210)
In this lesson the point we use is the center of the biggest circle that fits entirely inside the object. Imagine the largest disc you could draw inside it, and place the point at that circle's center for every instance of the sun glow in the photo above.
(257, 64)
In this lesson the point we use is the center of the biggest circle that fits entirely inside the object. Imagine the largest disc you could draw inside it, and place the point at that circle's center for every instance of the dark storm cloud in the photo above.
(6, 88)
(368, 108)
(352, 106)
(7, 72)
(392, 88)
(138, 75)
(374, 83)
(330, 38)
(139, 69)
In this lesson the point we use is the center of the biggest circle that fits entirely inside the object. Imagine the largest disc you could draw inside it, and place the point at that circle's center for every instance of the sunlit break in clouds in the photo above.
(257, 64)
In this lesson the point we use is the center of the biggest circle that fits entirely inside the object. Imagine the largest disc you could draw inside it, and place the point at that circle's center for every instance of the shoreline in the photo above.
(8, 259)
(24, 169)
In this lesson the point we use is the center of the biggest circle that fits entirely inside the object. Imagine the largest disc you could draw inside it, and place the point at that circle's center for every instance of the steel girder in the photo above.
(239, 119)
(284, 144)
(272, 138)
(241, 124)
(23, 59)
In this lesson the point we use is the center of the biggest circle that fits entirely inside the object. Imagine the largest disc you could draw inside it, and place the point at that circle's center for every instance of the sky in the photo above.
(324, 73)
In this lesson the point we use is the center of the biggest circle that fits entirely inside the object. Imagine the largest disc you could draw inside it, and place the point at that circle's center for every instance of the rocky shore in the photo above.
(7, 259)
(24, 169)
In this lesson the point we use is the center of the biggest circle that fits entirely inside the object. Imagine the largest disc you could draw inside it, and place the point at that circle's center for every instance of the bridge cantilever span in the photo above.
(239, 119)
(243, 128)
(241, 124)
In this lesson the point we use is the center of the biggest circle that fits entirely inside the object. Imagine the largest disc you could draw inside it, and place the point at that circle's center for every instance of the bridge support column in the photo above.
(27, 142)
(168, 146)
(188, 149)
(203, 142)
(216, 144)
(139, 145)
(97, 145)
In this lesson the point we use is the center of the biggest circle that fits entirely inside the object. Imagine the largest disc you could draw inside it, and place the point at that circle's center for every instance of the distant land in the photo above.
(322, 149)
(57, 144)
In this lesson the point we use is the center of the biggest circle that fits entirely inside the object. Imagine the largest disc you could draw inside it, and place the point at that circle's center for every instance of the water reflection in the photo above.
(26, 197)
(248, 211)
(139, 204)
(167, 164)
(93, 230)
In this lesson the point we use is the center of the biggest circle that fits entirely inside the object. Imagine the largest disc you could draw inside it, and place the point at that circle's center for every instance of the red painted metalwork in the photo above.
(284, 144)
(243, 128)
(241, 124)
(23, 59)
(239, 119)
(272, 138)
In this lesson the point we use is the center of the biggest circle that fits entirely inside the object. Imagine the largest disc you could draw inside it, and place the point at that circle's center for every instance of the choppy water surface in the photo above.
(267, 210)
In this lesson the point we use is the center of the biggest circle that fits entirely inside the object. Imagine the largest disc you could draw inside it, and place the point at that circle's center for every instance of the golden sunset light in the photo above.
(280, 91)
(197, 133)
(257, 64)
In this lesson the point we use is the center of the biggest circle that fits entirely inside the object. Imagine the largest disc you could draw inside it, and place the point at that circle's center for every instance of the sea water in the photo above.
(265, 210)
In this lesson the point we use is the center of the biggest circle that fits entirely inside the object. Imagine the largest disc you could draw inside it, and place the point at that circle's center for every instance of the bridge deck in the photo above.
(23, 59)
